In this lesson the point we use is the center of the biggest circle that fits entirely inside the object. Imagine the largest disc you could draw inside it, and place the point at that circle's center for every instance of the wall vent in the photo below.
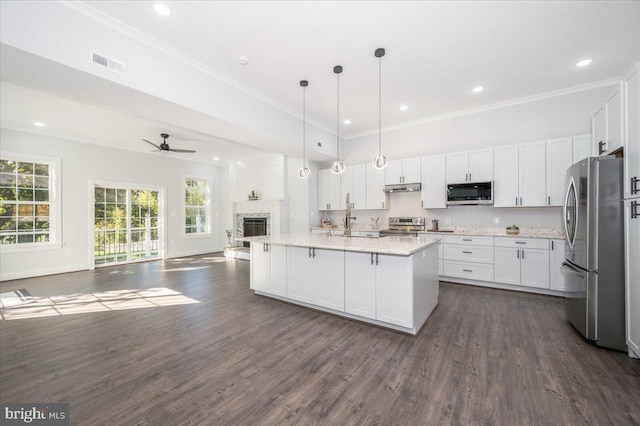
(107, 63)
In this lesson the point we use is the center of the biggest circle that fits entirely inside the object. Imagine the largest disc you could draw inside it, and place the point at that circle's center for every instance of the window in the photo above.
(196, 206)
(28, 200)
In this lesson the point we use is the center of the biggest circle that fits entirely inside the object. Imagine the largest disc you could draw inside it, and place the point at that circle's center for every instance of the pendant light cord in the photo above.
(304, 126)
(380, 105)
(338, 117)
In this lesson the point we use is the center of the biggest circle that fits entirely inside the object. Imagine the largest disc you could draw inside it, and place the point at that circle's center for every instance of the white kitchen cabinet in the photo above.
(520, 175)
(632, 272)
(581, 148)
(434, 187)
(376, 197)
(522, 262)
(469, 257)
(632, 133)
(316, 276)
(354, 181)
(607, 123)
(469, 166)
(394, 291)
(403, 171)
(360, 284)
(329, 191)
(556, 257)
(268, 268)
(559, 159)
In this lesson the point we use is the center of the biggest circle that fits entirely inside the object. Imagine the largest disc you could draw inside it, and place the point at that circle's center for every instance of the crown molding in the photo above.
(491, 107)
(100, 17)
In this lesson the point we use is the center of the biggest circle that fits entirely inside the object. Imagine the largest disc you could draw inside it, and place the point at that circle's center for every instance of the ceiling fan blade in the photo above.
(182, 150)
(151, 143)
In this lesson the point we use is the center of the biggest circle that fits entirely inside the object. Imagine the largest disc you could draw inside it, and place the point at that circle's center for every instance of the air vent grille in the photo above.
(107, 63)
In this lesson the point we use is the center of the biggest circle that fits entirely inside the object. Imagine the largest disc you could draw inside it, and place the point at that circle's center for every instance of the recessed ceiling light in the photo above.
(583, 63)
(404, 107)
(161, 9)
(243, 60)
(39, 123)
(477, 89)
(216, 158)
(347, 121)
(239, 163)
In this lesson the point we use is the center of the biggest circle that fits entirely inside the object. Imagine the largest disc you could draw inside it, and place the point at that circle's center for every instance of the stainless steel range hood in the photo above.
(403, 187)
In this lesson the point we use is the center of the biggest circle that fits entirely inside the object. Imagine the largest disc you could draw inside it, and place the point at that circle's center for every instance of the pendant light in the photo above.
(304, 170)
(338, 165)
(380, 161)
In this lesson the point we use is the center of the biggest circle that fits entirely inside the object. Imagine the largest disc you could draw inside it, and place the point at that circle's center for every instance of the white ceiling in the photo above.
(436, 52)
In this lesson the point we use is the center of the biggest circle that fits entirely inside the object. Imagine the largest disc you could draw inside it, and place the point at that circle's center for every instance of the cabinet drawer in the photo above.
(467, 253)
(468, 240)
(472, 271)
(532, 243)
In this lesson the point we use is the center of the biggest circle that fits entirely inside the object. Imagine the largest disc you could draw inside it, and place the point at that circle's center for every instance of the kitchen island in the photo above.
(391, 282)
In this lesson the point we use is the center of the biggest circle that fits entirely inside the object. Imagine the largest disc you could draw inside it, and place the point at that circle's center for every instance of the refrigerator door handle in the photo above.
(572, 270)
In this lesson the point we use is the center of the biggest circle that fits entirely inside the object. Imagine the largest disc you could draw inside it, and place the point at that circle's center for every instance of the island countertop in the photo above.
(402, 246)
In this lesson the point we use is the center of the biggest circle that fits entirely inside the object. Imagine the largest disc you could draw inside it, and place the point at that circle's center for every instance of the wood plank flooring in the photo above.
(484, 357)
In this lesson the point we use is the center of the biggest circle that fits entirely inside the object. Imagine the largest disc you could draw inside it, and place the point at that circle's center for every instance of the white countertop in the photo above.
(403, 246)
(487, 231)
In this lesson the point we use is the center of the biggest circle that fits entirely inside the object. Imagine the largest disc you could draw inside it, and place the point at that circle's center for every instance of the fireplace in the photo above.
(254, 227)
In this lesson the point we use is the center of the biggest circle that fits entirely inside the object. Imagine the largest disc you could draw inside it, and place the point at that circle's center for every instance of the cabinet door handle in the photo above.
(422, 203)
(523, 253)
(383, 204)
(520, 242)
(467, 270)
(552, 245)
(314, 252)
(469, 177)
(600, 147)
(634, 209)
(516, 201)
(309, 251)
(467, 252)
(372, 258)
(376, 258)
(467, 239)
(518, 253)
(549, 198)
(520, 200)
(634, 185)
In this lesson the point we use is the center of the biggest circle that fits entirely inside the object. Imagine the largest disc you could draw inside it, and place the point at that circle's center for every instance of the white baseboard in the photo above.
(491, 284)
(41, 272)
(194, 252)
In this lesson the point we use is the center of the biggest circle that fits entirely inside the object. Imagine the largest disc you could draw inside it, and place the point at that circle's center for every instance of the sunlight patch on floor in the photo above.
(103, 301)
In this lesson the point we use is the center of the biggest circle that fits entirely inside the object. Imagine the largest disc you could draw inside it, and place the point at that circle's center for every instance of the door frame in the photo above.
(162, 218)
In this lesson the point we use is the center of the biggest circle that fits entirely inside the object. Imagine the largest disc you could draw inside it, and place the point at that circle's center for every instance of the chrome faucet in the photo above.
(348, 217)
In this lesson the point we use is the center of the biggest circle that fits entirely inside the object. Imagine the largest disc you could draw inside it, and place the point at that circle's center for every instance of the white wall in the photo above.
(82, 162)
(544, 119)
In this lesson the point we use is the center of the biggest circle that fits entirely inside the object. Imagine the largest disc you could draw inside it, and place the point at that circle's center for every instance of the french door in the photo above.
(126, 225)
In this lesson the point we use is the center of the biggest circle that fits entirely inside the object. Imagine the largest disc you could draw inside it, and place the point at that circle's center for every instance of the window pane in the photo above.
(25, 238)
(99, 210)
(25, 209)
(41, 195)
(7, 239)
(41, 182)
(25, 181)
(8, 209)
(7, 179)
(111, 195)
(8, 224)
(7, 194)
(42, 223)
(41, 170)
(25, 194)
(99, 195)
(42, 238)
(25, 223)
(7, 166)
(25, 168)
(42, 209)
(122, 196)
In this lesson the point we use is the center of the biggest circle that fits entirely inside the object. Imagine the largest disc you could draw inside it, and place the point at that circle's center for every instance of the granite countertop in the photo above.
(489, 231)
(403, 246)
(355, 227)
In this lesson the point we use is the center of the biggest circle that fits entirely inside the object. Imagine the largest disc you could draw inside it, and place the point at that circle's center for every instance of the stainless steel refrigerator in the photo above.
(594, 254)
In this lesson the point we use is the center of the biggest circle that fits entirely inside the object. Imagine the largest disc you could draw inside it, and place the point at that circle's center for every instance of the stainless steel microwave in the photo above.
(470, 193)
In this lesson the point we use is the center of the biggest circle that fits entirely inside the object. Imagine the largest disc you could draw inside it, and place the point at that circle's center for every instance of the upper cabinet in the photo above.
(470, 166)
(607, 124)
(434, 187)
(376, 197)
(520, 175)
(329, 191)
(559, 159)
(581, 148)
(353, 182)
(403, 171)
(632, 133)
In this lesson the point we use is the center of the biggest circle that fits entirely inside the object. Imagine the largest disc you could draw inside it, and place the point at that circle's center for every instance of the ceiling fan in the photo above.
(164, 146)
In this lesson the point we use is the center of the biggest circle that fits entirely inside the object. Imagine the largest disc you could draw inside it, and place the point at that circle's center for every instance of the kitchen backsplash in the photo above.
(408, 204)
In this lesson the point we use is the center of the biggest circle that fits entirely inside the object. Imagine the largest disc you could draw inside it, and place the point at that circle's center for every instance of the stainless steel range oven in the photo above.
(404, 227)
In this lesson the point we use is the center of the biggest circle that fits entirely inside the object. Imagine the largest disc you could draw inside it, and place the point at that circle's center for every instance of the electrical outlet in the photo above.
(496, 221)
(447, 220)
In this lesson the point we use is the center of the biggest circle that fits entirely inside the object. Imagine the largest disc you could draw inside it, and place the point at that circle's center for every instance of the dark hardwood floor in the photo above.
(484, 357)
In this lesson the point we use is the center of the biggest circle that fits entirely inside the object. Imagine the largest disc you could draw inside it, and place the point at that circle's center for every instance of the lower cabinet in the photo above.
(632, 272)
(556, 257)
(268, 268)
(522, 262)
(316, 276)
(468, 257)
(379, 287)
